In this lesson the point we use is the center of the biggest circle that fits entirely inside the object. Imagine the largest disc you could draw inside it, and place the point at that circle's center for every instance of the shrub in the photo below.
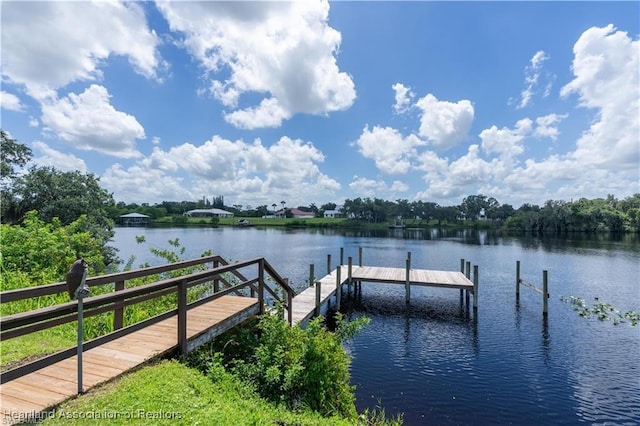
(303, 367)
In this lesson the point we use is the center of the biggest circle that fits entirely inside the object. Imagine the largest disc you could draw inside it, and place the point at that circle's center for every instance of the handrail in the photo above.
(61, 287)
(39, 319)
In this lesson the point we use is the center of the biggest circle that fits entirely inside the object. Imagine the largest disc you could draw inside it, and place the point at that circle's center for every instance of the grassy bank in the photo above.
(171, 393)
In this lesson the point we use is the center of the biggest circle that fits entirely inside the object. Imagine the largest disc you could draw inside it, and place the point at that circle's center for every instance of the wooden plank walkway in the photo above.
(305, 302)
(25, 397)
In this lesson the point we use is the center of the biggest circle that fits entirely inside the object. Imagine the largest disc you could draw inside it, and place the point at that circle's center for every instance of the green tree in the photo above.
(12, 154)
(66, 196)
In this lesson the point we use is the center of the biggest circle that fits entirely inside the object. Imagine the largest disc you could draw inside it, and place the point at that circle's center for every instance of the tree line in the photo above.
(69, 195)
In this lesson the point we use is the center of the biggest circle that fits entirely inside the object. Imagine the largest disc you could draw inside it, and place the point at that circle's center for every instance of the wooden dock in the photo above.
(304, 304)
(25, 397)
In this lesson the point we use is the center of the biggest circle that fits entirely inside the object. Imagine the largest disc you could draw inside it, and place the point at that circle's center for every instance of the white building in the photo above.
(208, 213)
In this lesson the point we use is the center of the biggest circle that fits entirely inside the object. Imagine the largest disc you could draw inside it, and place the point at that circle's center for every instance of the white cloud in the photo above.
(606, 70)
(10, 102)
(404, 96)
(89, 122)
(62, 161)
(47, 45)
(391, 151)
(547, 126)
(365, 187)
(506, 142)
(250, 173)
(284, 51)
(531, 77)
(445, 124)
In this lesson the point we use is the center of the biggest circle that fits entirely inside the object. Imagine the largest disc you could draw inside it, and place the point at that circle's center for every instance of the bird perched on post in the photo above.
(76, 277)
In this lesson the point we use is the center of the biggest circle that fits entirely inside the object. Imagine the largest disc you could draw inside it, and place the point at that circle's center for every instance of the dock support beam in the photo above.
(407, 285)
(182, 317)
(318, 294)
(517, 281)
(350, 272)
(338, 288)
(545, 294)
(461, 270)
(359, 256)
(311, 274)
(475, 287)
(341, 256)
(328, 264)
(467, 273)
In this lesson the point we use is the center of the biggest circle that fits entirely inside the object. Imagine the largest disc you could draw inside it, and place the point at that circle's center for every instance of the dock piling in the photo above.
(517, 281)
(359, 256)
(311, 274)
(475, 287)
(318, 297)
(328, 264)
(338, 288)
(341, 256)
(350, 272)
(545, 294)
(407, 284)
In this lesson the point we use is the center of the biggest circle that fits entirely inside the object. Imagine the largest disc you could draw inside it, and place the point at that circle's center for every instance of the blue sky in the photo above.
(315, 102)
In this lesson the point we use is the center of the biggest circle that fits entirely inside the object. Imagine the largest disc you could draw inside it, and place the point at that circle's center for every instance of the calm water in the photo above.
(439, 364)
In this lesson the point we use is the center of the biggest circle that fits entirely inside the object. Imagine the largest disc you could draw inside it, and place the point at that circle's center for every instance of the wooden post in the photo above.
(350, 272)
(359, 256)
(118, 313)
(328, 264)
(318, 292)
(338, 289)
(261, 286)
(341, 256)
(407, 285)
(467, 272)
(475, 287)
(517, 280)
(311, 274)
(289, 306)
(545, 294)
(216, 281)
(461, 270)
(409, 258)
(182, 317)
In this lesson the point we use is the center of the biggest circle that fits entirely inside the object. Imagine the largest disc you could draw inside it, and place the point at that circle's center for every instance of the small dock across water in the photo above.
(309, 302)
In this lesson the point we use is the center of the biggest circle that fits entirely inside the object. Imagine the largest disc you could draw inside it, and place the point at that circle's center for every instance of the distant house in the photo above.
(133, 219)
(296, 214)
(337, 212)
(208, 213)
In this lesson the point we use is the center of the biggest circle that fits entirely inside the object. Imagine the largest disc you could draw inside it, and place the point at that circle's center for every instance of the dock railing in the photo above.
(20, 324)
(544, 291)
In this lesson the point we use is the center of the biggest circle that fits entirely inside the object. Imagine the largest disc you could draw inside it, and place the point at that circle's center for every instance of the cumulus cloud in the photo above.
(547, 126)
(531, 77)
(89, 122)
(505, 141)
(445, 124)
(283, 51)
(606, 78)
(47, 45)
(10, 102)
(391, 151)
(404, 96)
(365, 187)
(251, 172)
(50, 157)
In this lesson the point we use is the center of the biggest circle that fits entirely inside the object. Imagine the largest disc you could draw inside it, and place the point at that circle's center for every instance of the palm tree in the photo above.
(274, 207)
(283, 203)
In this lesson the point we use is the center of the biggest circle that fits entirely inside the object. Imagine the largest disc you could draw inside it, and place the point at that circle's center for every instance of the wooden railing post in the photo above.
(289, 306)
(182, 316)
(341, 256)
(328, 264)
(517, 280)
(545, 294)
(118, 313)
(338, 288)
(475, 287)
(318, 293)
(216, 281)
(359, 256)
(311, 274)
(350, 273)
(261, 286)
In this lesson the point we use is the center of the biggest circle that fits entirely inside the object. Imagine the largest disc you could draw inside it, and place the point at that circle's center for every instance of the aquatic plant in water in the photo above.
(601, 310)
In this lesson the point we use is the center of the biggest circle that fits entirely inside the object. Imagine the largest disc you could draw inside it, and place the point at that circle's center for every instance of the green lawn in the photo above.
(170, 393)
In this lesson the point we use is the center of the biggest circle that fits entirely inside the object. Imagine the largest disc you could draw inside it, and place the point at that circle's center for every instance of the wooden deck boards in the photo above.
(303, 305)
(33, 393)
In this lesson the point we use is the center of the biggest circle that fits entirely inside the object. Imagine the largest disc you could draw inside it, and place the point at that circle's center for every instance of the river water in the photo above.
(437, 363)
